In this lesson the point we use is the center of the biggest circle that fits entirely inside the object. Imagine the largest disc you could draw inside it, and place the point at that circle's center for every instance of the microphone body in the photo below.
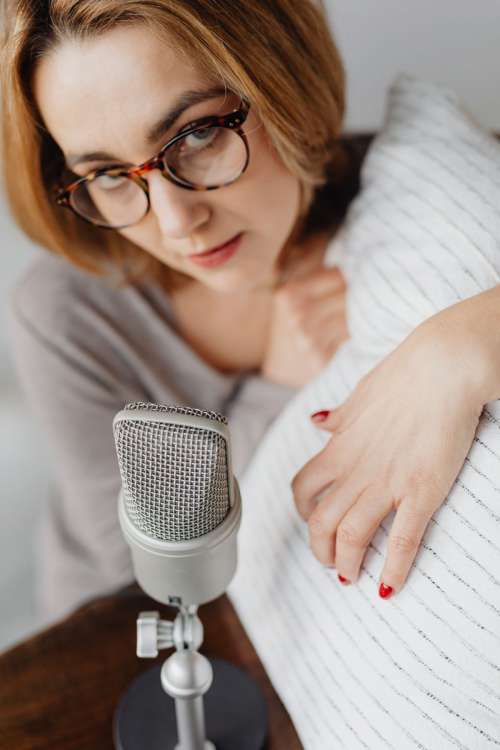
(180, 506)
(187, 573)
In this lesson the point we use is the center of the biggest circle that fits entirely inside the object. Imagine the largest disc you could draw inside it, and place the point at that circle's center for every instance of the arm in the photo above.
(473, 326)
(75, 382)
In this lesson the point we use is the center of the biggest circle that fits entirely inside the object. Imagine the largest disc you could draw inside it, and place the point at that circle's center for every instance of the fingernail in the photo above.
(343, 580)
(320, 416)
(385, 591)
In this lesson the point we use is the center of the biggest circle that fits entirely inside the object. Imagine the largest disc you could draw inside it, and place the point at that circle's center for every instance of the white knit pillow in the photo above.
(422, 669)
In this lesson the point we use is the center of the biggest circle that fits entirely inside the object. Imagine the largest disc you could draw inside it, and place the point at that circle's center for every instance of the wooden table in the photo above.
(59, 689)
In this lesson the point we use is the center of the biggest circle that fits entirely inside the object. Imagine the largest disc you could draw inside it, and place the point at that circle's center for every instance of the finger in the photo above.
(323, 280)
(324, 312)
(343, 416)
(356, 530)
(329, 348)
(320, 354)
(337, 335)
(407, 530)
(325, 518)
(314, 477)
(319, 342)
(328, 419)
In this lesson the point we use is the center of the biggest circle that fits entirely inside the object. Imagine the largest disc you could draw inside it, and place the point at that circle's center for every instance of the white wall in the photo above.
(16, 250)
(454, 42)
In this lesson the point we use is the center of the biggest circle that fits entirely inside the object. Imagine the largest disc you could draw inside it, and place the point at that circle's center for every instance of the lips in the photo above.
(213, 249)
(220, 255)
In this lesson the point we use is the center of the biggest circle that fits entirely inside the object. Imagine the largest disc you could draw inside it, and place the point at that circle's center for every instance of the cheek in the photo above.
(146, 236)
(134, 234)
(271, 189)
(278, 196)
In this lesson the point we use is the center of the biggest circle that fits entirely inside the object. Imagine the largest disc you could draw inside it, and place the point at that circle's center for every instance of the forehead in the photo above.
(102, 92)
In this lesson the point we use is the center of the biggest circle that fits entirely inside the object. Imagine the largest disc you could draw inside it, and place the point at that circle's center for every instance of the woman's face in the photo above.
(105, 94)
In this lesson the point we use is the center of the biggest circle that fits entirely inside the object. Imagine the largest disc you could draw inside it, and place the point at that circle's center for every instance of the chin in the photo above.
(237, 282)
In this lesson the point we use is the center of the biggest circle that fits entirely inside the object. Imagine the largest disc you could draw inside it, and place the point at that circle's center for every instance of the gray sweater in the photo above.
(83, 348)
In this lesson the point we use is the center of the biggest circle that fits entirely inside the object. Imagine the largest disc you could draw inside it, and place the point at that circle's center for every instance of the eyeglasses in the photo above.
(211, 153)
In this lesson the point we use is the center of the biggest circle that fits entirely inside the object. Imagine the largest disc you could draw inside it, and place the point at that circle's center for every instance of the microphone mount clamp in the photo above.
(185, 633)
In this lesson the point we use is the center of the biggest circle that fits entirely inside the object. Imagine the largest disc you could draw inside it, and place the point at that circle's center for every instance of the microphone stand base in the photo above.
(234, 706)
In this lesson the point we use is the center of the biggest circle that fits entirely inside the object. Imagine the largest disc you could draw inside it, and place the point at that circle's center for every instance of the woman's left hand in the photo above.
(398, 442)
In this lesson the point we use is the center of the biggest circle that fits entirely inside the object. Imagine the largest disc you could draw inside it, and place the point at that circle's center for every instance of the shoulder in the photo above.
(59, 316)
(48, 288)
(55, 297)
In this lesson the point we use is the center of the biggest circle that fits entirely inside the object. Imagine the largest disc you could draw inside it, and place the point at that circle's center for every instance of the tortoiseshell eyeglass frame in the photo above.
(234, 120)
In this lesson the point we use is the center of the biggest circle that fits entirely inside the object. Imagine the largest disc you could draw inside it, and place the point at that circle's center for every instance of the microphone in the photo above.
(180, 506)
(180, 510)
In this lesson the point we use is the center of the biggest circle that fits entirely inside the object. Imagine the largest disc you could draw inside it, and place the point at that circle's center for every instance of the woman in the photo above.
(170, 128)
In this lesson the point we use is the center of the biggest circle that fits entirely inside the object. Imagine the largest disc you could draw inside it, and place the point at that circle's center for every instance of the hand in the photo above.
(308, 324)
(398, 443)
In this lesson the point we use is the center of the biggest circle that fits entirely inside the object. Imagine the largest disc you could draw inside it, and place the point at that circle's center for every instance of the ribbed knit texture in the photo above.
(422, 669)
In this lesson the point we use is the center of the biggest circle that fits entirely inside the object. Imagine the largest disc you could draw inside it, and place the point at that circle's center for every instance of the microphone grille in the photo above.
(175, 477)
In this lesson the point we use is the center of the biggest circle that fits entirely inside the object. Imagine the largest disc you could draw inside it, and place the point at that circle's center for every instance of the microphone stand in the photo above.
(165, 707)
(237, 715)
(186, 675)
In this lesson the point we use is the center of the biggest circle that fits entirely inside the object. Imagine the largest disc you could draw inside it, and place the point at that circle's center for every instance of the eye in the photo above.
(108, 183)
(199, 140)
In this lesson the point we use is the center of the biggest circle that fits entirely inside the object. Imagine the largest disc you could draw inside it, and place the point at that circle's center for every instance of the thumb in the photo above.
(326, 419)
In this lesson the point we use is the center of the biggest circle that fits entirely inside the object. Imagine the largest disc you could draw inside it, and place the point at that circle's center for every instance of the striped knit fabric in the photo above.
(422, 669)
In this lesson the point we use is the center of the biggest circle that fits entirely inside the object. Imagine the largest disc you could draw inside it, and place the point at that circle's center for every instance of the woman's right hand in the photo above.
(308, 324)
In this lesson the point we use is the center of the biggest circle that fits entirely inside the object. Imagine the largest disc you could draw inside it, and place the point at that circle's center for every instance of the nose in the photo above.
(179, 212)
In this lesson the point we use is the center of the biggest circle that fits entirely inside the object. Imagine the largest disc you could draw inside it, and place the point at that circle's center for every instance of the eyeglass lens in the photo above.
(210, 157)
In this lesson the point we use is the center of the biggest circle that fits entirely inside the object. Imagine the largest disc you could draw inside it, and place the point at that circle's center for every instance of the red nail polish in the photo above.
(385, 591)
(342, 579)
(320, 416)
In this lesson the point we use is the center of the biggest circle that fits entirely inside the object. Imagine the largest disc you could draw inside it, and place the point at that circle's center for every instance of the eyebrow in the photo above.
(185, 100)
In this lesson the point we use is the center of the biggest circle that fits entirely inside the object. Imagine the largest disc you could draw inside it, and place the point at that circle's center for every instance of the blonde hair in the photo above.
(278, 54)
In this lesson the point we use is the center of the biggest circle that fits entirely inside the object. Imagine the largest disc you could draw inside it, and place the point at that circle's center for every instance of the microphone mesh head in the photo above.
(175, 477)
